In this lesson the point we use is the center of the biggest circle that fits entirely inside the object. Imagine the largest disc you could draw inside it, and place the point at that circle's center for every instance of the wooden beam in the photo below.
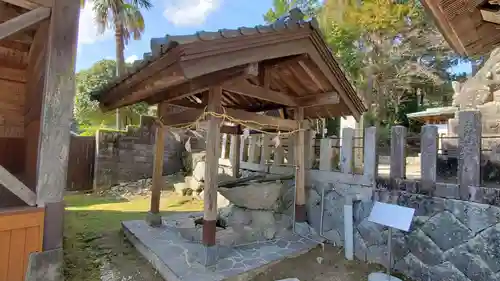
(158, 183)
(300, 174)
(245, 88)
(190, 115)
(57, 111)
(211, 169)
(184, 117)
(23, 21)
(30, 4)
(15, 75)
(15, 186)
(264, 120)
(320, 99)
(311, 75)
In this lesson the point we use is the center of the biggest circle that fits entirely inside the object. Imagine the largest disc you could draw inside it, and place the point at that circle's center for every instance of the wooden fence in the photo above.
(21, 233)
(81, 163)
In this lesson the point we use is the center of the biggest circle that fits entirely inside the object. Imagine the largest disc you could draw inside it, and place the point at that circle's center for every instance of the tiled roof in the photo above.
(161, 45)
(291, 22)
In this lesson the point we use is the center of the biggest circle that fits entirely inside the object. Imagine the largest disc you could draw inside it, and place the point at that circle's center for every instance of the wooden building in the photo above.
(470, 27)
(235, 75)
(37, 57)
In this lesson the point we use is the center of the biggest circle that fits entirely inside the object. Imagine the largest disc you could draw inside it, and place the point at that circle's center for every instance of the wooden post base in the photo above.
(209, 228)
(153, 219)
(300, 213)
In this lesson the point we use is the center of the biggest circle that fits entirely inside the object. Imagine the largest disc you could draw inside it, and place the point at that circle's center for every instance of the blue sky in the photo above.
(168, 17)
(175, 17)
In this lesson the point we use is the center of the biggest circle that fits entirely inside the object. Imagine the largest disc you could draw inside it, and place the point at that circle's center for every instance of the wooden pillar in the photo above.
(300, 174)
(154, 217)
(234, 155)
(57, 111)
(211, 168)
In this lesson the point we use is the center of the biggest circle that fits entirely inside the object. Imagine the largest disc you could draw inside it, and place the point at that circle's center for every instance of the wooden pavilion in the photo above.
(237, 75)
(470, 27)
(37, 57)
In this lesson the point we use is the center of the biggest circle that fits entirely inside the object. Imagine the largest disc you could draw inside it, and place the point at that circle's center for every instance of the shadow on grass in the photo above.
(94, 245)
(89, 199)
(96, 249)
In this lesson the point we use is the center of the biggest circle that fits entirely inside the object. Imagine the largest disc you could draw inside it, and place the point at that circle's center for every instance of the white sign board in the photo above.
(392, 215)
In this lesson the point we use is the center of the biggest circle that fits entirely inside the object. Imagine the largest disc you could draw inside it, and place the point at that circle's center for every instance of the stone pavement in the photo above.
(177, 259)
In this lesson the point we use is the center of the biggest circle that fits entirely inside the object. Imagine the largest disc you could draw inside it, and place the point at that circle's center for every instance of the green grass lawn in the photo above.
(93, 232)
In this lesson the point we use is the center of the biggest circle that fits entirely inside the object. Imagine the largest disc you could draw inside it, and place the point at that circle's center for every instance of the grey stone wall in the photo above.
(129, 156)
(449, 239)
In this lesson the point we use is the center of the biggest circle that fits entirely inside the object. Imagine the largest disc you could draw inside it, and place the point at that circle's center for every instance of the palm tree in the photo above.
(125, 18)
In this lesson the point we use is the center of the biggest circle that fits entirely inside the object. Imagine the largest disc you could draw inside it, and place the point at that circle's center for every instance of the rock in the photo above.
(335, 237)
(470, 264)
(413, 268)
(371, 232)
(487, 245)
(265, 222)
(424, 249)
(360, 247)
(199, 171)
(194, 184)
(473, 215)
(255, 196)
(238, 216)
(289, 279)
(221, 200)
(446, 231)
(446, 272)
(182, 188)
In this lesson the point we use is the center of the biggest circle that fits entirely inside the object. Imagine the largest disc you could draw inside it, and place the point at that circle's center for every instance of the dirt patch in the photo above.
(319, 265)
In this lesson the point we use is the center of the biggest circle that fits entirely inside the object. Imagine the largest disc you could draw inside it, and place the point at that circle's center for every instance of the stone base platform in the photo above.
(177, 259)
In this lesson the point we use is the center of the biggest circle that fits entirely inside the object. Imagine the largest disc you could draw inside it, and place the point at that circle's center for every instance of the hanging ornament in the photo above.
(246, 133)
(188, 145)
(276, 140)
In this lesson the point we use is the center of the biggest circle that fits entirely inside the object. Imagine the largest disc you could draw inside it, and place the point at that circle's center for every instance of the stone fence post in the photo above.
(398, 153)
(428, 158)
(346, 151)
(469, 159)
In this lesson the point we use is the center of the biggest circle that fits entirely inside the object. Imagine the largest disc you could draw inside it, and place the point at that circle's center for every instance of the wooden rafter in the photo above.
(245, 88)
(198, 85)
(30, 4)
(191, 115)
(23, 21)
(15, 186)
(320, 99)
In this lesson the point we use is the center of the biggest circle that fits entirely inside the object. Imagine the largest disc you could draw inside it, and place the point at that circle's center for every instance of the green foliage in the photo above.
(281, 7)
(87, 112)
(391, 50)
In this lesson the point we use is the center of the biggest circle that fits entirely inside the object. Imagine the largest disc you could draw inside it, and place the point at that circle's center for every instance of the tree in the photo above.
(125, 18)
(310, 8)
(87, 112)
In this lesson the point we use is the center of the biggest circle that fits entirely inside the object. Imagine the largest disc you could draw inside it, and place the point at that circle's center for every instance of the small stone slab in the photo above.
(45, 266)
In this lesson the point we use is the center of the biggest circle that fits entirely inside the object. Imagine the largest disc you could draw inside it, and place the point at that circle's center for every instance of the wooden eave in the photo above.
(262, 68)
(463, 27)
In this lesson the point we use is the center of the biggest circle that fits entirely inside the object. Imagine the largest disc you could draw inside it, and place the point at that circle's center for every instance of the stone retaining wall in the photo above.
(125, 156)
(449, 239)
